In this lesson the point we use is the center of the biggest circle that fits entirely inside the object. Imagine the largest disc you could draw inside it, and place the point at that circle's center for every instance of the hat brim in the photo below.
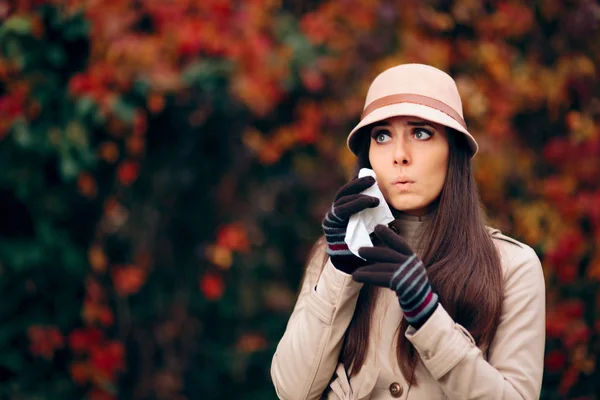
(412, 110)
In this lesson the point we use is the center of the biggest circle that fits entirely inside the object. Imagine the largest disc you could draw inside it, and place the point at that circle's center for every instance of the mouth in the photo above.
(403, 181)
(403, 184)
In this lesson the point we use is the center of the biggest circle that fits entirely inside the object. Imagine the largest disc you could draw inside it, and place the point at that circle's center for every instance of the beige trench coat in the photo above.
(451, 366)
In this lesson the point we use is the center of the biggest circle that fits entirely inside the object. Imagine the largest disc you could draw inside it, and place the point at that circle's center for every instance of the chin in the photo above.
(408, 205)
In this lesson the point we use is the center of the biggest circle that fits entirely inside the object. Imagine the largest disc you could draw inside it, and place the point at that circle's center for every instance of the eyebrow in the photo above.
(420, 123)
(411, 123)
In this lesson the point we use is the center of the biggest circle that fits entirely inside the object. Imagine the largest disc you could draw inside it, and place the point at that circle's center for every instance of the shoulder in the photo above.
(516, 257)
(510, 247)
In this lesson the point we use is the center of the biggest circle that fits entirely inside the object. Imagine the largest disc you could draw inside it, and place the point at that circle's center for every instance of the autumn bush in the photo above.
(164, 167)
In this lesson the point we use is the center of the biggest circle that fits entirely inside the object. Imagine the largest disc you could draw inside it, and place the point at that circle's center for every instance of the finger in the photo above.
(384, 268)
(354, 187)
(356, 205)
(392, 240)
(381, 254)
(334, 215)
(346, 199)
(349, 198)
(375, 278)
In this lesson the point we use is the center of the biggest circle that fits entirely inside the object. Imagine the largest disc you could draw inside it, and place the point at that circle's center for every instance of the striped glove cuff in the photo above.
(335, 232)
(416, 298)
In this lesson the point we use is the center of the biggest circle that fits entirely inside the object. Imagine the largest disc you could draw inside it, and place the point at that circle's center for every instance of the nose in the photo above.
(401, 151)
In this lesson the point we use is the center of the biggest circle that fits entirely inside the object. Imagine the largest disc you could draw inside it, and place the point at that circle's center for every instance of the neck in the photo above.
(411, 228)
(410, 216)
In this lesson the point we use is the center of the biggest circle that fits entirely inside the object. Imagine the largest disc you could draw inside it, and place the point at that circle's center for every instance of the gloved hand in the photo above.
(347, 202)
(396, 266)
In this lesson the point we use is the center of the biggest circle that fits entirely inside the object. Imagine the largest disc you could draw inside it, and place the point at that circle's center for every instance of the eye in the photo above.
(380, 136)
(422, 134)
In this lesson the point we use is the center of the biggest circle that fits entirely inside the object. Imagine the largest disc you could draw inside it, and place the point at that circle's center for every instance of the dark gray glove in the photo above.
(348, 201)
(398, 268)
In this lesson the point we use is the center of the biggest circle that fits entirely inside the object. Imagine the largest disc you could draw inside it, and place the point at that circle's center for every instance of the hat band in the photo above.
(416, 99)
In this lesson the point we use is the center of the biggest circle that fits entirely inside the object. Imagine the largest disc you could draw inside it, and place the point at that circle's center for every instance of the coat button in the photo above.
(396, 389)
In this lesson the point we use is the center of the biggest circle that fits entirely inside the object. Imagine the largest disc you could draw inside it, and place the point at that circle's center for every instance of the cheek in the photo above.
(380, 165)
(439, 172)
(376, 159)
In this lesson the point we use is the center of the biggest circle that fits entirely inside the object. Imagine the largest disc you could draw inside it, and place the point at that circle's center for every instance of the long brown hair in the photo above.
(462, 263)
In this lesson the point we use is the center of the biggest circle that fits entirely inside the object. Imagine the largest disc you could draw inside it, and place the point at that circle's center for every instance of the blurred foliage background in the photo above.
(165, 165)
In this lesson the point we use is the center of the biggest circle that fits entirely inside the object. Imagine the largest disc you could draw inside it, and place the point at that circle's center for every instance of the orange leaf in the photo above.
(86, 184)
(233, 237)
(109, 152)
(79, 372)
(128, 280)
(97, 259)
(135, 145)
(156, 103)
(251, 342)
(93, 312)
(44, 340)
(220, 256)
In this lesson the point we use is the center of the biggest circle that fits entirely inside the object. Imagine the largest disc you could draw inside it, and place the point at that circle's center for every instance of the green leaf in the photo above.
(46, 233)
(56, 55)
(205, 73)
(8, 332)
(73, 260)
(84, 106)
(12, 360)
(99, 118)
(69, 169)
(21, 255)
(13, 51)
(303, 50)
(78, 28)
(123, 110)
(21, 134)
(77, 135)
(142, 87)
(17, 25)
(108, 387)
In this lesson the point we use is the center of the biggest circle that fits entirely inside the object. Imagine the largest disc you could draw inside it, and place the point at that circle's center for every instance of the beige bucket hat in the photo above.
(415, 90)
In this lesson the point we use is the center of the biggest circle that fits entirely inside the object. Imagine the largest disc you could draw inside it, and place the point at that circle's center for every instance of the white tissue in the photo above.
(363, 223)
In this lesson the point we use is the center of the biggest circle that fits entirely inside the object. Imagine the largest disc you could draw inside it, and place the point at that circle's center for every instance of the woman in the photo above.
(442, 306)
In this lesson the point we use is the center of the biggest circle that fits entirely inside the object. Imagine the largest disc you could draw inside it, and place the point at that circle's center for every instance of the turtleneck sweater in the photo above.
(412, 229)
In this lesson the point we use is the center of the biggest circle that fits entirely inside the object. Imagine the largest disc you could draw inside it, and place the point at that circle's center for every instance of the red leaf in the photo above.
(212, 286)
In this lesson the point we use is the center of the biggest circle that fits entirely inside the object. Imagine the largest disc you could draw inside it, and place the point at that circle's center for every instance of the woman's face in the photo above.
(410, 158)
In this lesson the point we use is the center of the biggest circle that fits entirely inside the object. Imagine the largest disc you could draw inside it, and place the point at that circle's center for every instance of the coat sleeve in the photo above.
(516, 355)
(307, 354)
